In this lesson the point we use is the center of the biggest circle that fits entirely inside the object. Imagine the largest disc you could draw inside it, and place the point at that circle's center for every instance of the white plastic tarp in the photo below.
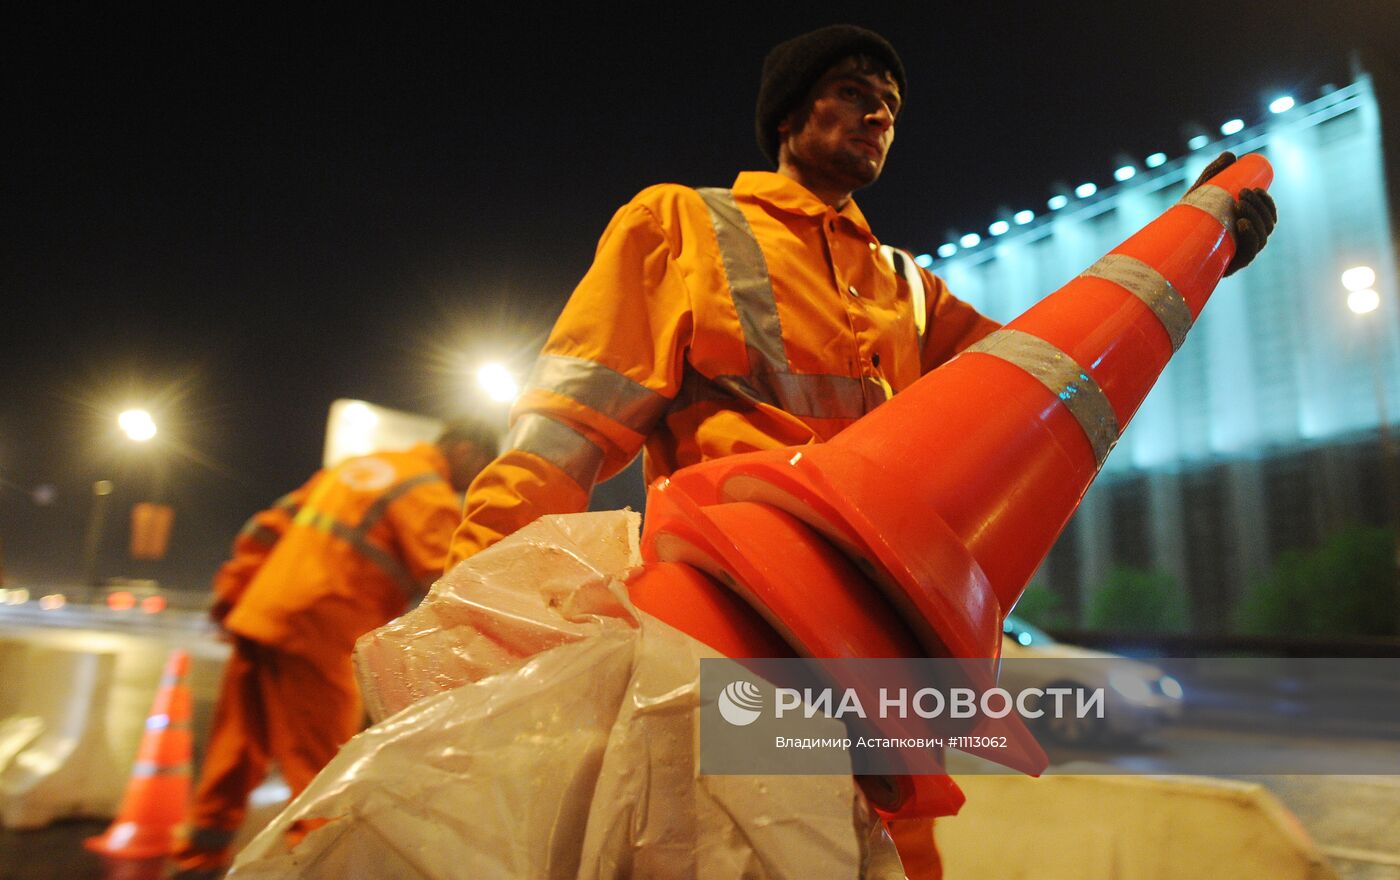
(537, 726)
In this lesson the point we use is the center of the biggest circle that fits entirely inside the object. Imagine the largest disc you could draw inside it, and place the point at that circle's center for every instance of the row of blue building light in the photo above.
(1281, 104)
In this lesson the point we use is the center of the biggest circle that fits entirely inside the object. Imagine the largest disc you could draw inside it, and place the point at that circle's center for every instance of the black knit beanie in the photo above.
(792, 68)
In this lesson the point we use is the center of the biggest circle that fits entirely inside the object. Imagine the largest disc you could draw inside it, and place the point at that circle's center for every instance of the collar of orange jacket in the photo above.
(433, 455)
(786, 194)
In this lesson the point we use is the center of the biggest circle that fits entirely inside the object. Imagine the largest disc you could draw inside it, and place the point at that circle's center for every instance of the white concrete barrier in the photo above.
(1124, 828)
(54, 757)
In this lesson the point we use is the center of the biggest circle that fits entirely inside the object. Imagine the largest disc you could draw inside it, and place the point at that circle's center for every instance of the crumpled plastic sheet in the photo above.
(545, 586)
(577, 760)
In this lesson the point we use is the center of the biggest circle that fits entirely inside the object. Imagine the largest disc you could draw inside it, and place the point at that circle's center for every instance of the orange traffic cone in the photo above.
(808, 600)
(157, 795)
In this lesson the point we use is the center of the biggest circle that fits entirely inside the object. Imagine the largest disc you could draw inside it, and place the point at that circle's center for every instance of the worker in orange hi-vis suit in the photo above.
(338, 557)
(718, 321)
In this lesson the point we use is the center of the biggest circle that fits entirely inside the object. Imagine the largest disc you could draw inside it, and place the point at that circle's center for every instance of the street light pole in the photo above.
(97, 520)
(139, 427)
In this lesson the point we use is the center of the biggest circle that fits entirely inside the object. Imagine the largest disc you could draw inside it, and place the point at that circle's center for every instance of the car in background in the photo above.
(1138, 696)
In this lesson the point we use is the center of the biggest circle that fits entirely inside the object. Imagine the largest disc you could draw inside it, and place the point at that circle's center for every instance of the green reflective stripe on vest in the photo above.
(558, 444)
(749, 284)
(1066, 379)
(1216, 202)
(311, 518)
(323, 522)
(381, 504)
(599, 388)
(1148, 285)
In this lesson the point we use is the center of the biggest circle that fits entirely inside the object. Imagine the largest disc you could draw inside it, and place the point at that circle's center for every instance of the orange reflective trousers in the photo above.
(273, 707)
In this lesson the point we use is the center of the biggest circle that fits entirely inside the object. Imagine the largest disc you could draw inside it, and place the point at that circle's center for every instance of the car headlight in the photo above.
(1169, 687)
(1130, 685)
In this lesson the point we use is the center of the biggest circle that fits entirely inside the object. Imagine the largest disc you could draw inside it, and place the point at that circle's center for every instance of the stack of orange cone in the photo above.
(158, 794)
(947, 497)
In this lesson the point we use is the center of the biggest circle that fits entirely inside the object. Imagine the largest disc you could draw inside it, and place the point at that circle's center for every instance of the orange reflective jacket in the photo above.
(714, 322)
(343, 554)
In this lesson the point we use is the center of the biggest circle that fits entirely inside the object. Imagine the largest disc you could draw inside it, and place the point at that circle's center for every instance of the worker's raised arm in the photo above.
(609, 370)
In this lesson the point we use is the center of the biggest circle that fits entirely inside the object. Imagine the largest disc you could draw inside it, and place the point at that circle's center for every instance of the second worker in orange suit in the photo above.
(345, 553)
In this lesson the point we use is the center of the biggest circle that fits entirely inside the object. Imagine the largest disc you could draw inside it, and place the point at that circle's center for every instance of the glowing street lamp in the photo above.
(137, 425)
(498, 383)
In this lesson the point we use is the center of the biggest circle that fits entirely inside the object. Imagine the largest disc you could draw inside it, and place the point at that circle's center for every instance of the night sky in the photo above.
(235, 217)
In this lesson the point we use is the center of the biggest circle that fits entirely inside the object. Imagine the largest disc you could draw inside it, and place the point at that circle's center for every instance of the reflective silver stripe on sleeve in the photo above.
(381, 504)
(1148, 285)
(558, 444)
(1066, 379)
(905, 266)
(599, 388)
(828, 397)
(1214, 201)
(749, 283)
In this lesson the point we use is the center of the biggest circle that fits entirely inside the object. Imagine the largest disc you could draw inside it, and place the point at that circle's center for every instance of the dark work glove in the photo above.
(1255, 215)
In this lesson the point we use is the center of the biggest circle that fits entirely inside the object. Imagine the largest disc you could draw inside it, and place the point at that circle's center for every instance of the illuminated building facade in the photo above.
(1261, 435)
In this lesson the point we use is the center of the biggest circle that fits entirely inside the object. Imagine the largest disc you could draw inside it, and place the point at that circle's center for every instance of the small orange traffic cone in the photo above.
(158, 794)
